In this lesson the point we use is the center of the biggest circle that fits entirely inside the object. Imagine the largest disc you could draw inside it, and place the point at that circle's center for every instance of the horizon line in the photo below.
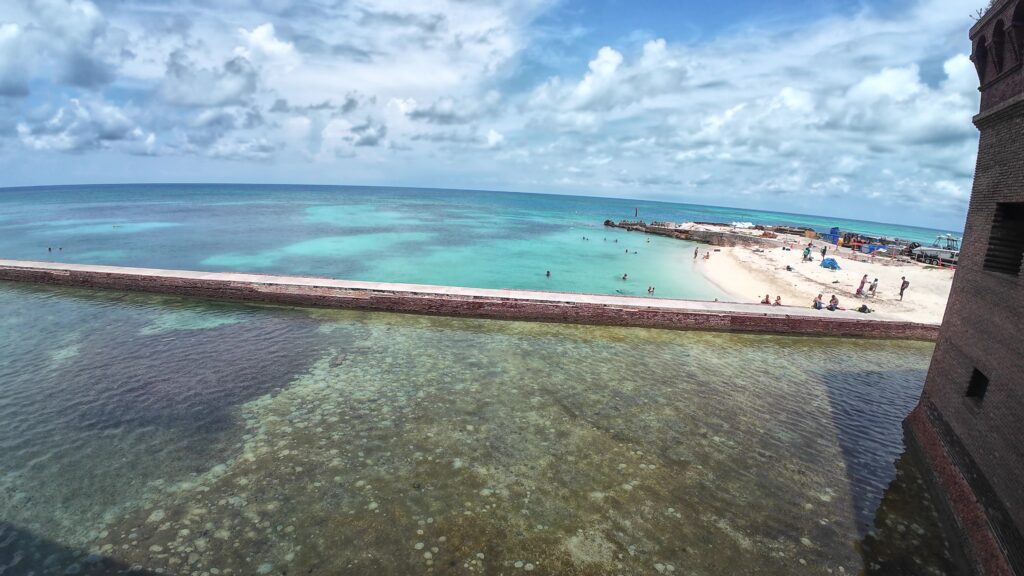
(399, 187)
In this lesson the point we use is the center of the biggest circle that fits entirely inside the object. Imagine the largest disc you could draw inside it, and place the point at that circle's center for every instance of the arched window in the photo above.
(1017, 26)
(980, 58)
(999, 46)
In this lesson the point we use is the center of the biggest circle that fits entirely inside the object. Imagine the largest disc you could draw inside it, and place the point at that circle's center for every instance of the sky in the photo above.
(840, 108)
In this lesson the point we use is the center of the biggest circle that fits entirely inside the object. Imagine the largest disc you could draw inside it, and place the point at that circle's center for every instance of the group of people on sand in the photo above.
(809, 247)
(768, 300)
(833, 303)
(696, 252)
(862, 293)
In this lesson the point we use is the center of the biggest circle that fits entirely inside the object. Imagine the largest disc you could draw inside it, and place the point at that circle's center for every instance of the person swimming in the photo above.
(548, 273)
(625, 276)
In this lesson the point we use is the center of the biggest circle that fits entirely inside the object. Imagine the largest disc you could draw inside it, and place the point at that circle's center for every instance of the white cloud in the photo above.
(79, 126)
(494, 138)
(263, 46)
(187, 84)
(13, 54)
(853, 107)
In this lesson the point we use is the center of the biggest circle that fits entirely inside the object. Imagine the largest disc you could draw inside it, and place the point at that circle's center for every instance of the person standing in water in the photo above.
(695, 252)
(548, 274)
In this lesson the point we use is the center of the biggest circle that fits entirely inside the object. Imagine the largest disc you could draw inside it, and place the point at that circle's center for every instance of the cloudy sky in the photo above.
(815, 106)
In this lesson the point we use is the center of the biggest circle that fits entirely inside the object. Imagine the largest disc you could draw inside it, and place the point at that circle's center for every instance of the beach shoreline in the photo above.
(747, 273)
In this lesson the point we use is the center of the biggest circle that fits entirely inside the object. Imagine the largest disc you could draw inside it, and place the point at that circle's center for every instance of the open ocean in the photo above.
(428, 236)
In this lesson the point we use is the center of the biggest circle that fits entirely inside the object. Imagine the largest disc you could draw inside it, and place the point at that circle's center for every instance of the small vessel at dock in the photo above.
(945, 250)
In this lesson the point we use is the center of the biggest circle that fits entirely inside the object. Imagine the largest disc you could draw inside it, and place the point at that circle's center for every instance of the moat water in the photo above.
(151, 434)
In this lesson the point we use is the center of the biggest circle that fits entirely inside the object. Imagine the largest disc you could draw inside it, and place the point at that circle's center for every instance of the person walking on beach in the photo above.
(874, 287)
(824, 250)
(904, 286)
(860, 289)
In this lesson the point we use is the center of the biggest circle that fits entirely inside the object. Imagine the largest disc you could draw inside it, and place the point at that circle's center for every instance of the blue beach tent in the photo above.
(830, 263)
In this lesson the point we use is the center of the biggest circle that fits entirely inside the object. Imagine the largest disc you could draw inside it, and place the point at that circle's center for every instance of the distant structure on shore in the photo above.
(969, 424)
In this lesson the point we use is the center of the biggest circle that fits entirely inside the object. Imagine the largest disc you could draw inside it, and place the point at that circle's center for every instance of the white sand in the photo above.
(747, 276)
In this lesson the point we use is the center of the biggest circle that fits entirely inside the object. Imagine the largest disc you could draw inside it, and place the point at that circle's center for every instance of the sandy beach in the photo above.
(747, 273)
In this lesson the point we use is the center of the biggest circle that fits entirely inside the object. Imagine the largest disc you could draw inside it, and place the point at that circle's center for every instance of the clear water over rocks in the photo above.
(150, 434)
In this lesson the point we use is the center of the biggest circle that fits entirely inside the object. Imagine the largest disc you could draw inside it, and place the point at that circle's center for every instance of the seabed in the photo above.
(158, 434)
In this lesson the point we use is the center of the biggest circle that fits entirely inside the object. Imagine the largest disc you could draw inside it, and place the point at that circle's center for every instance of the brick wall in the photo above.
(438, 303)
(982, 440)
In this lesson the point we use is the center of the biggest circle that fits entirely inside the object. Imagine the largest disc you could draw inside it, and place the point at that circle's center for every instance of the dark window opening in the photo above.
(1006, 243)
(978, 386)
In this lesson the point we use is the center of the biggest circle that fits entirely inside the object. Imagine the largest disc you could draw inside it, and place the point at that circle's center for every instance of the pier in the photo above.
(503, 304)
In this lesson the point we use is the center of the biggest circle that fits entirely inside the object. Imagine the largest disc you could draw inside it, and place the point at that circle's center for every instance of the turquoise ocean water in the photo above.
(463, 238)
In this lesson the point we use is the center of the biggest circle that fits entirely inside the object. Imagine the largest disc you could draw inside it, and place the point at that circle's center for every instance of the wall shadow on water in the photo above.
(24, 553)
(909, 537)
(899, 524)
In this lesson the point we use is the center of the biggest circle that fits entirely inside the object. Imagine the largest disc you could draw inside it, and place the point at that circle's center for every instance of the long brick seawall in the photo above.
(470, 302)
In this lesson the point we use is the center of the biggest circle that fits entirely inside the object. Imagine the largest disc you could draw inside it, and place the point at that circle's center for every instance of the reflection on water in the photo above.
(189, 437)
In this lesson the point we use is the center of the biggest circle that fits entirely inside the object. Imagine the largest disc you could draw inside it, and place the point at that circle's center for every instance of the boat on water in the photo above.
(945, 250)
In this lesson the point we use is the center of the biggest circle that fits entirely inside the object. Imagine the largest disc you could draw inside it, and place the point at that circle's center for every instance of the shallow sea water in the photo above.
(421, 236)
(151, 434)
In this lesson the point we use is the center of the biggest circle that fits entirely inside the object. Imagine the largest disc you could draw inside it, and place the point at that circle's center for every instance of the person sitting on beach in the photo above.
(707, 255)
(767, 299)
(833, 304)
(778, 301)
(874, 287)
(818, 304)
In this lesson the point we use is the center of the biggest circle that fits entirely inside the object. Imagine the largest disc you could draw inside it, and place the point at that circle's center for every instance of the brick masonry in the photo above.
(448, 301)
(975, 446)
